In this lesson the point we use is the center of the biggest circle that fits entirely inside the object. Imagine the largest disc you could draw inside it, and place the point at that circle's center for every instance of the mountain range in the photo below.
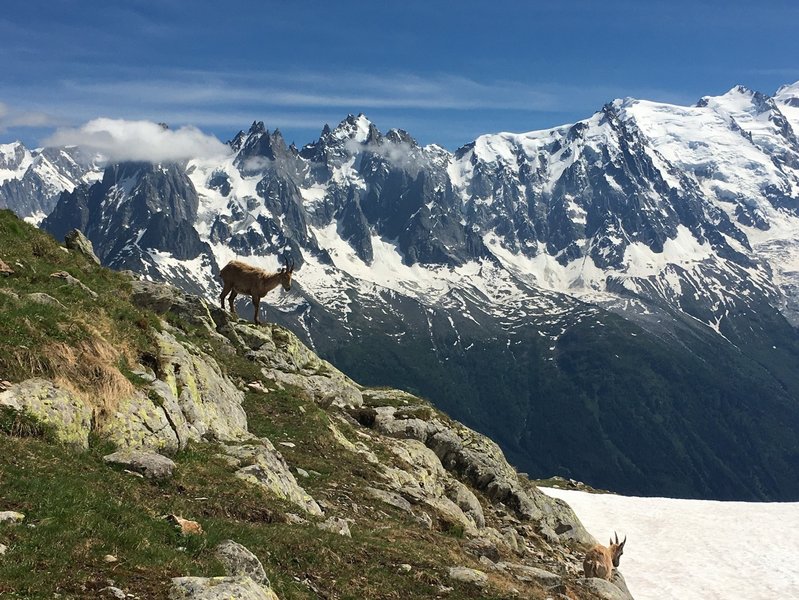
(613, 300)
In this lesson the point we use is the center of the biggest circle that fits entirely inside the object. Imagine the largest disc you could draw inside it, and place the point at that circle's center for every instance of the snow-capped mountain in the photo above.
(32, 180)
(622, 286)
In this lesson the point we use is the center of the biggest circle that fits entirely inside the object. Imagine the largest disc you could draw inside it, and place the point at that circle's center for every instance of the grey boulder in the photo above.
(149, 464)
(240, 562)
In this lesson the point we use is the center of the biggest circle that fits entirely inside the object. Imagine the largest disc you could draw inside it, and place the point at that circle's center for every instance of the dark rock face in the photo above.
(135, 208)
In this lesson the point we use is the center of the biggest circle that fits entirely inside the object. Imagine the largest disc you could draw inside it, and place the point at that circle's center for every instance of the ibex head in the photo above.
(617, 549)
(286, 273)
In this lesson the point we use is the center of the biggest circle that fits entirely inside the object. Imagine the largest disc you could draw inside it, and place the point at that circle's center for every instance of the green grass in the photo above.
(78, 509)
(83, 510)
(32, 335)
(22, 424)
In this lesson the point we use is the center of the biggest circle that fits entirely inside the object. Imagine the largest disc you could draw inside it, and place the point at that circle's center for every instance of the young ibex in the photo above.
(600, 560)
(241, 278)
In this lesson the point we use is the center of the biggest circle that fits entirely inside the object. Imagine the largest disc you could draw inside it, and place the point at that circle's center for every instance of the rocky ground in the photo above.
(183, 454)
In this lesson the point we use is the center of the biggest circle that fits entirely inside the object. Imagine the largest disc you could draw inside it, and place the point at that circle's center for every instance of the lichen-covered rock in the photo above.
(149, 464)
(240, 562)
(74, 282)
(325, 390)
(139, 423)
(219, 588)
(356, 447)
(467, 575)
(480, 461)
(45, 299)
(335, 525)
(67, 414)
(261, 464)
(422, 480)
(479, 546)
(391, 498)
(603, 589)
(75, 240)
(466, 501)
(528, 573)
(192, 401)
(386, 423)
(10, 516)
(113, 592)
(209, 402)
(618, 580)
(287, 360)
(163, 298)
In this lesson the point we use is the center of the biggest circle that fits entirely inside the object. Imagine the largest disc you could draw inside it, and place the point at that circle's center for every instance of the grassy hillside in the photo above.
(79, 510)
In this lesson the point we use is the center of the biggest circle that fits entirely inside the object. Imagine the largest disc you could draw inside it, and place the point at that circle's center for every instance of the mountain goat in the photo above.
(600, 560)
(241, 278)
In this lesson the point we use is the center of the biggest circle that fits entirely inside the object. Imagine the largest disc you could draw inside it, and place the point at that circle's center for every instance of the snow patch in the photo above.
(696, 549)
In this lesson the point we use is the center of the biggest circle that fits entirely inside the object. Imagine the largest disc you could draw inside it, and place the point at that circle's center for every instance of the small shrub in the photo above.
(22, 424)
(455, 530)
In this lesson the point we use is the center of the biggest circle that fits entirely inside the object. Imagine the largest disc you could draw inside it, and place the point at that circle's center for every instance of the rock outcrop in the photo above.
(442, 475)
(603, 589)
(240, 562)
(67, 415)
(149, 464)
(287, 361)
(74, 282)
(219, 588)
(75, 240)
(478, 461)
(190, 400)
(261, 464)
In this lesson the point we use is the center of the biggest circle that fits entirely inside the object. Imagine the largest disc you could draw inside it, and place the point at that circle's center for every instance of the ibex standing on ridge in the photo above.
(241, 278)
(600, 560)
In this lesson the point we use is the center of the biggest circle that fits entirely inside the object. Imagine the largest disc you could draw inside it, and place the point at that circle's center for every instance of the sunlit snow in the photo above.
(697, 549)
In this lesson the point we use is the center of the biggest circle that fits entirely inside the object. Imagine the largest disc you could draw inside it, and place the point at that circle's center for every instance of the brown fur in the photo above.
(600, 560)
(241, 278)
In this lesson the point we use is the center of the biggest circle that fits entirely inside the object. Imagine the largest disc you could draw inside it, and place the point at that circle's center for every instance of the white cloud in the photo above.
(121, 140)
(400, 154)
(10, 117)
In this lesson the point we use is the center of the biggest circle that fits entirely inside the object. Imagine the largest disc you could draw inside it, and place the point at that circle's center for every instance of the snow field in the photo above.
(697, 549)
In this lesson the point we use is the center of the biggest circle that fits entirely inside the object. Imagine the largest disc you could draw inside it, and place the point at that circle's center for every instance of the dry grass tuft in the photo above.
(89, 370)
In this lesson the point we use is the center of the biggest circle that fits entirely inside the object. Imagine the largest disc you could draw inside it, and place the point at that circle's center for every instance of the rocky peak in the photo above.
(257, 128)
(400, 136)
(12, 157)
(261, 144)
(358, 128)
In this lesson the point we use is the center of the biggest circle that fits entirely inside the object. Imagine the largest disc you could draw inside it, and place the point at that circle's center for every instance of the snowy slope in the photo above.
(696, 549)
(31, 180)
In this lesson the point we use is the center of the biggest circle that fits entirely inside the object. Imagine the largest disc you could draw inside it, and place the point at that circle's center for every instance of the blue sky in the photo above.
(444, 71)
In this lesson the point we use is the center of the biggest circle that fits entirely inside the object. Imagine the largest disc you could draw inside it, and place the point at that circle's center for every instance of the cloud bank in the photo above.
(119, 140)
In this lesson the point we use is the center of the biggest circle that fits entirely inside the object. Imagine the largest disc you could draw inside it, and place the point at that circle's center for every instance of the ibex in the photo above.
(600, 560)
(241, 278)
